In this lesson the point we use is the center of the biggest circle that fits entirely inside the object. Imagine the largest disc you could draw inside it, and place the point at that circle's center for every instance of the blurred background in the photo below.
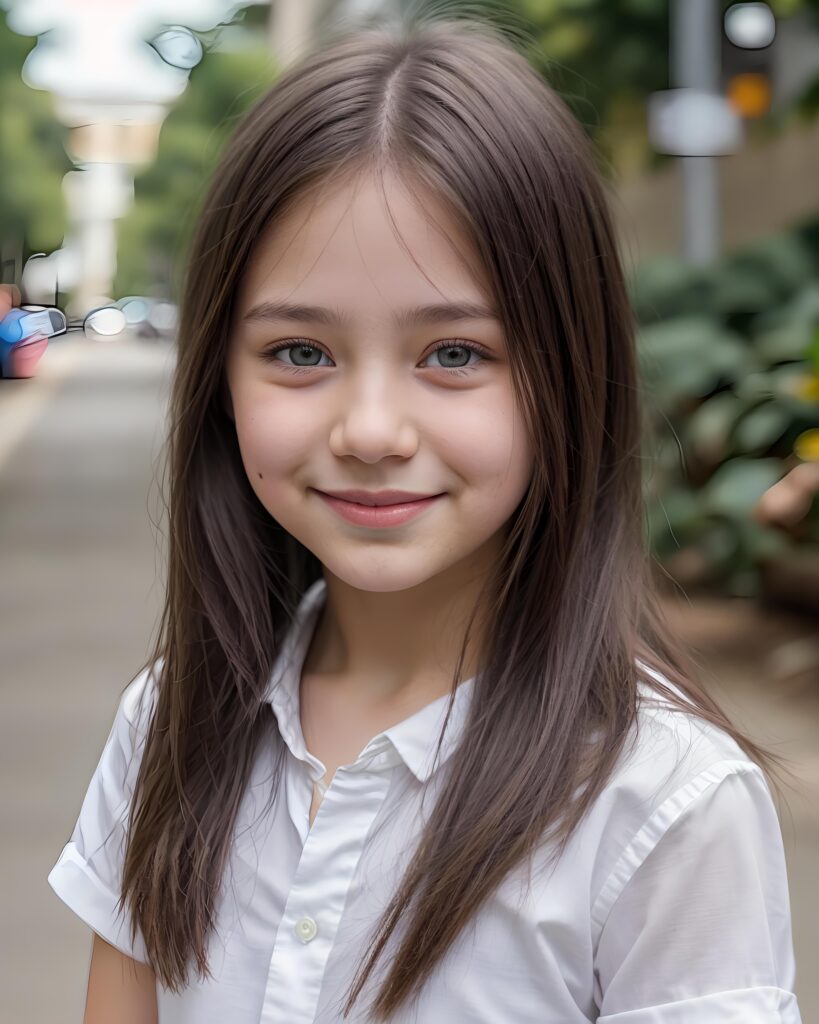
(706, 119)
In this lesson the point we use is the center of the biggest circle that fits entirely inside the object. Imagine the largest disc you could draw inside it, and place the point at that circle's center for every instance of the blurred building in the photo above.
(114, 73)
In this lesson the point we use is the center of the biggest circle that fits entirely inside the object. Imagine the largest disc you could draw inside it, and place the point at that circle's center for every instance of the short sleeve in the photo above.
(695, 918)
(88, 873)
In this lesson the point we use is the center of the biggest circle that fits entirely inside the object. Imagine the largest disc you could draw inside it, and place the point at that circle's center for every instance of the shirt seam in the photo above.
(654, 828)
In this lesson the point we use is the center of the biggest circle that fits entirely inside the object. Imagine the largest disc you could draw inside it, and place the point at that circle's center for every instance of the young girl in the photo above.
(422, 751)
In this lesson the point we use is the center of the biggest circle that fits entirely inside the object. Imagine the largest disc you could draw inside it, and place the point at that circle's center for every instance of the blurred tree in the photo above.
(32, 208)
(605, 57)
(807, 106)
(601, 53)
(154, 236)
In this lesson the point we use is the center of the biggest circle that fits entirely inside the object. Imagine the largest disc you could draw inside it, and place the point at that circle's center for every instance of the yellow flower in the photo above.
(806, 445)
(807, 387)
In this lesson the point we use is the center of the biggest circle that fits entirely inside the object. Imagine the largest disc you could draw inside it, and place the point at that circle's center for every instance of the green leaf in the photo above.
(668, 286)
(744, 289)
(709, 427)
(720, 543)
(736, 487)
(754, 387)
(801, 310)
(764, 541)
(673, 520)
(813, 349)
(790, 341)
(761, 427)
(689, 356)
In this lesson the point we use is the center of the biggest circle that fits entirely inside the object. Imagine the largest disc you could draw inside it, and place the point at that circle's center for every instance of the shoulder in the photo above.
(139, 695)
(674, 744)
(129, 729)
(669, 749)
(691, 871)
(126, 739)
(138, 699)
(670, 771)
(88, 873)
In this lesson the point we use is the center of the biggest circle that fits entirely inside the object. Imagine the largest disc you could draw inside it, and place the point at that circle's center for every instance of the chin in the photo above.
(381, 572)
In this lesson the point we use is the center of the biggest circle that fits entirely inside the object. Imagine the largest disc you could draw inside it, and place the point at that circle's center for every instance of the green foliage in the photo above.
(729, 359)
(32, 210)
(154, 236)
(596, 51)
(606, 56)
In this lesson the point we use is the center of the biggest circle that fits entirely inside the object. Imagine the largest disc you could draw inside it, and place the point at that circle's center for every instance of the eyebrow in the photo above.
(265, 312)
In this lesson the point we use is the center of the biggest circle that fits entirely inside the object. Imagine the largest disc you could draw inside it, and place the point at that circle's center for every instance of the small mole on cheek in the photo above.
(261, 477)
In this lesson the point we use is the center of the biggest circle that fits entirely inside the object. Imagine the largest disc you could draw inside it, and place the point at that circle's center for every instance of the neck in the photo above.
(384, 647)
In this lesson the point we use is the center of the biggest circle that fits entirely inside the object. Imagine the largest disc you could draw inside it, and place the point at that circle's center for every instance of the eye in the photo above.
(306, 348)
(470, 347)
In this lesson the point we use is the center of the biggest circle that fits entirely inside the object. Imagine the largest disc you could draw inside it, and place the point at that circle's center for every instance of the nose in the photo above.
(375, 421)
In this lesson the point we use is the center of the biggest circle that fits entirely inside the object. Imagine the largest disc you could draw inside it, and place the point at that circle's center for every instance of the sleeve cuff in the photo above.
(764, 1004)
(79, 888)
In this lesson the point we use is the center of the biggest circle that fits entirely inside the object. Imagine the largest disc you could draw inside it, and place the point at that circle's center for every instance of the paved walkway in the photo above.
(80, 592)
(79, 598)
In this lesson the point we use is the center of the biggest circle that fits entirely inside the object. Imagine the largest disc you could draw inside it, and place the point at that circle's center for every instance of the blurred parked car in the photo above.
(150, 317)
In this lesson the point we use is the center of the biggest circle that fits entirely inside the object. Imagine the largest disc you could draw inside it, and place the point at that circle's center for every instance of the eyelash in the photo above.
(471, 346)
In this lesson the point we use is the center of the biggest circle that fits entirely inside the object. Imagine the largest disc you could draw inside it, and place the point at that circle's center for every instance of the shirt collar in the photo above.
(412, 740)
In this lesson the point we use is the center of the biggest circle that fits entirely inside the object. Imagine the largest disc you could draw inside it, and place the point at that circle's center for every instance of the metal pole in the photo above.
(695, 64)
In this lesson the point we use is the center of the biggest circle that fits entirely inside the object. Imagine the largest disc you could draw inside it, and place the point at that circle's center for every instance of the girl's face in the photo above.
(370, 404)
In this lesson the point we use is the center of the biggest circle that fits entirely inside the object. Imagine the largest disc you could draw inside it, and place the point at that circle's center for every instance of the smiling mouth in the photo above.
(379, 504)
(379, 515)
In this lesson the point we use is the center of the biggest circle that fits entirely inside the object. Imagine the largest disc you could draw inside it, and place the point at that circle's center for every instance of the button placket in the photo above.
(327, 866)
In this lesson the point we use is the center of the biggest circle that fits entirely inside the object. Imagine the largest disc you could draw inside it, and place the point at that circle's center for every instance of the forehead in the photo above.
(362, 246)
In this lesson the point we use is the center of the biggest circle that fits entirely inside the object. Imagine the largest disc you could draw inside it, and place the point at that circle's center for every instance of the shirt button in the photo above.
(306, 929)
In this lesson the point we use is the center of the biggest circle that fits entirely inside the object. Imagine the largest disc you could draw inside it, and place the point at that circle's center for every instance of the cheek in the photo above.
(488, 444)
(482, 439)
(273, 436)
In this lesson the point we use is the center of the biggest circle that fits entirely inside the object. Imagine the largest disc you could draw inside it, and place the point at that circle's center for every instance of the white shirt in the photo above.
(669, 906)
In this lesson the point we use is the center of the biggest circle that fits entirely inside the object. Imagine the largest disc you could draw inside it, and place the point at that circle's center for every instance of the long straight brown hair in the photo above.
(452, 105)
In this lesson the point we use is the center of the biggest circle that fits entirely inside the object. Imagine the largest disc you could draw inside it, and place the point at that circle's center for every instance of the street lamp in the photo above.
(718, 79)
(750, 26)
(750, 30)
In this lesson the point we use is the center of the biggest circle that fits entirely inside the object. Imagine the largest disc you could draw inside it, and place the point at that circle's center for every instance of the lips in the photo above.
(379, 499)
(379, 515)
